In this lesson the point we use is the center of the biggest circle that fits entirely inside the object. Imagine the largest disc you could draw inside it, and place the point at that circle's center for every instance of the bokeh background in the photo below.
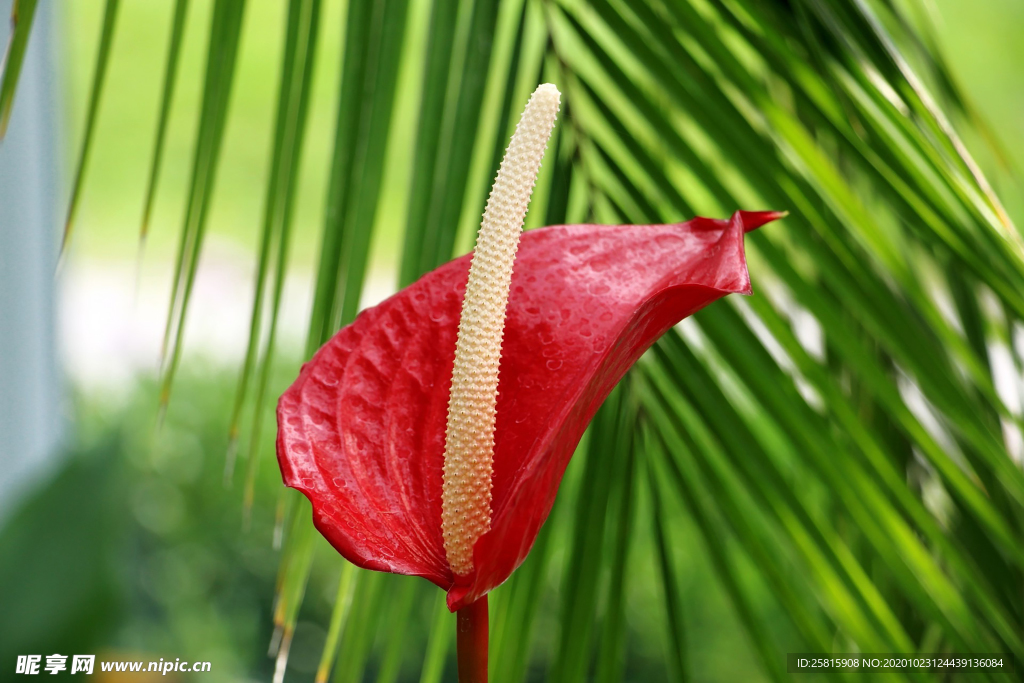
(124, 537)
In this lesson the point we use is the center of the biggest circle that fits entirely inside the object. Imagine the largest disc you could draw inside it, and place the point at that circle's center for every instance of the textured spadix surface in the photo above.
(469, 439)
(361, 431)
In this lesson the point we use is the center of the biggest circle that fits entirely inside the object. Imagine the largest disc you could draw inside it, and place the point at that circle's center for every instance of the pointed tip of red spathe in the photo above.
(752, 220)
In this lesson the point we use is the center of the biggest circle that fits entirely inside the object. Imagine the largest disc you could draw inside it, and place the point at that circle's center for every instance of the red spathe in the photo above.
(361, 431)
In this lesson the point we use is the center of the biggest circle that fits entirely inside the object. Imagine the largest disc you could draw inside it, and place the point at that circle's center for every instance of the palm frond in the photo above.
(98, 79)
(22, 14)
(170, 80)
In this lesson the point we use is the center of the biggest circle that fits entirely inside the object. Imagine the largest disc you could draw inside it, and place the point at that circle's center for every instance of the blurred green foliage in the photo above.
(134, 549)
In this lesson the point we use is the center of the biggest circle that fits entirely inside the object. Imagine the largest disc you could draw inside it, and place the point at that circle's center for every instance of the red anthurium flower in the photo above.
(432, 433)
(362, 430)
